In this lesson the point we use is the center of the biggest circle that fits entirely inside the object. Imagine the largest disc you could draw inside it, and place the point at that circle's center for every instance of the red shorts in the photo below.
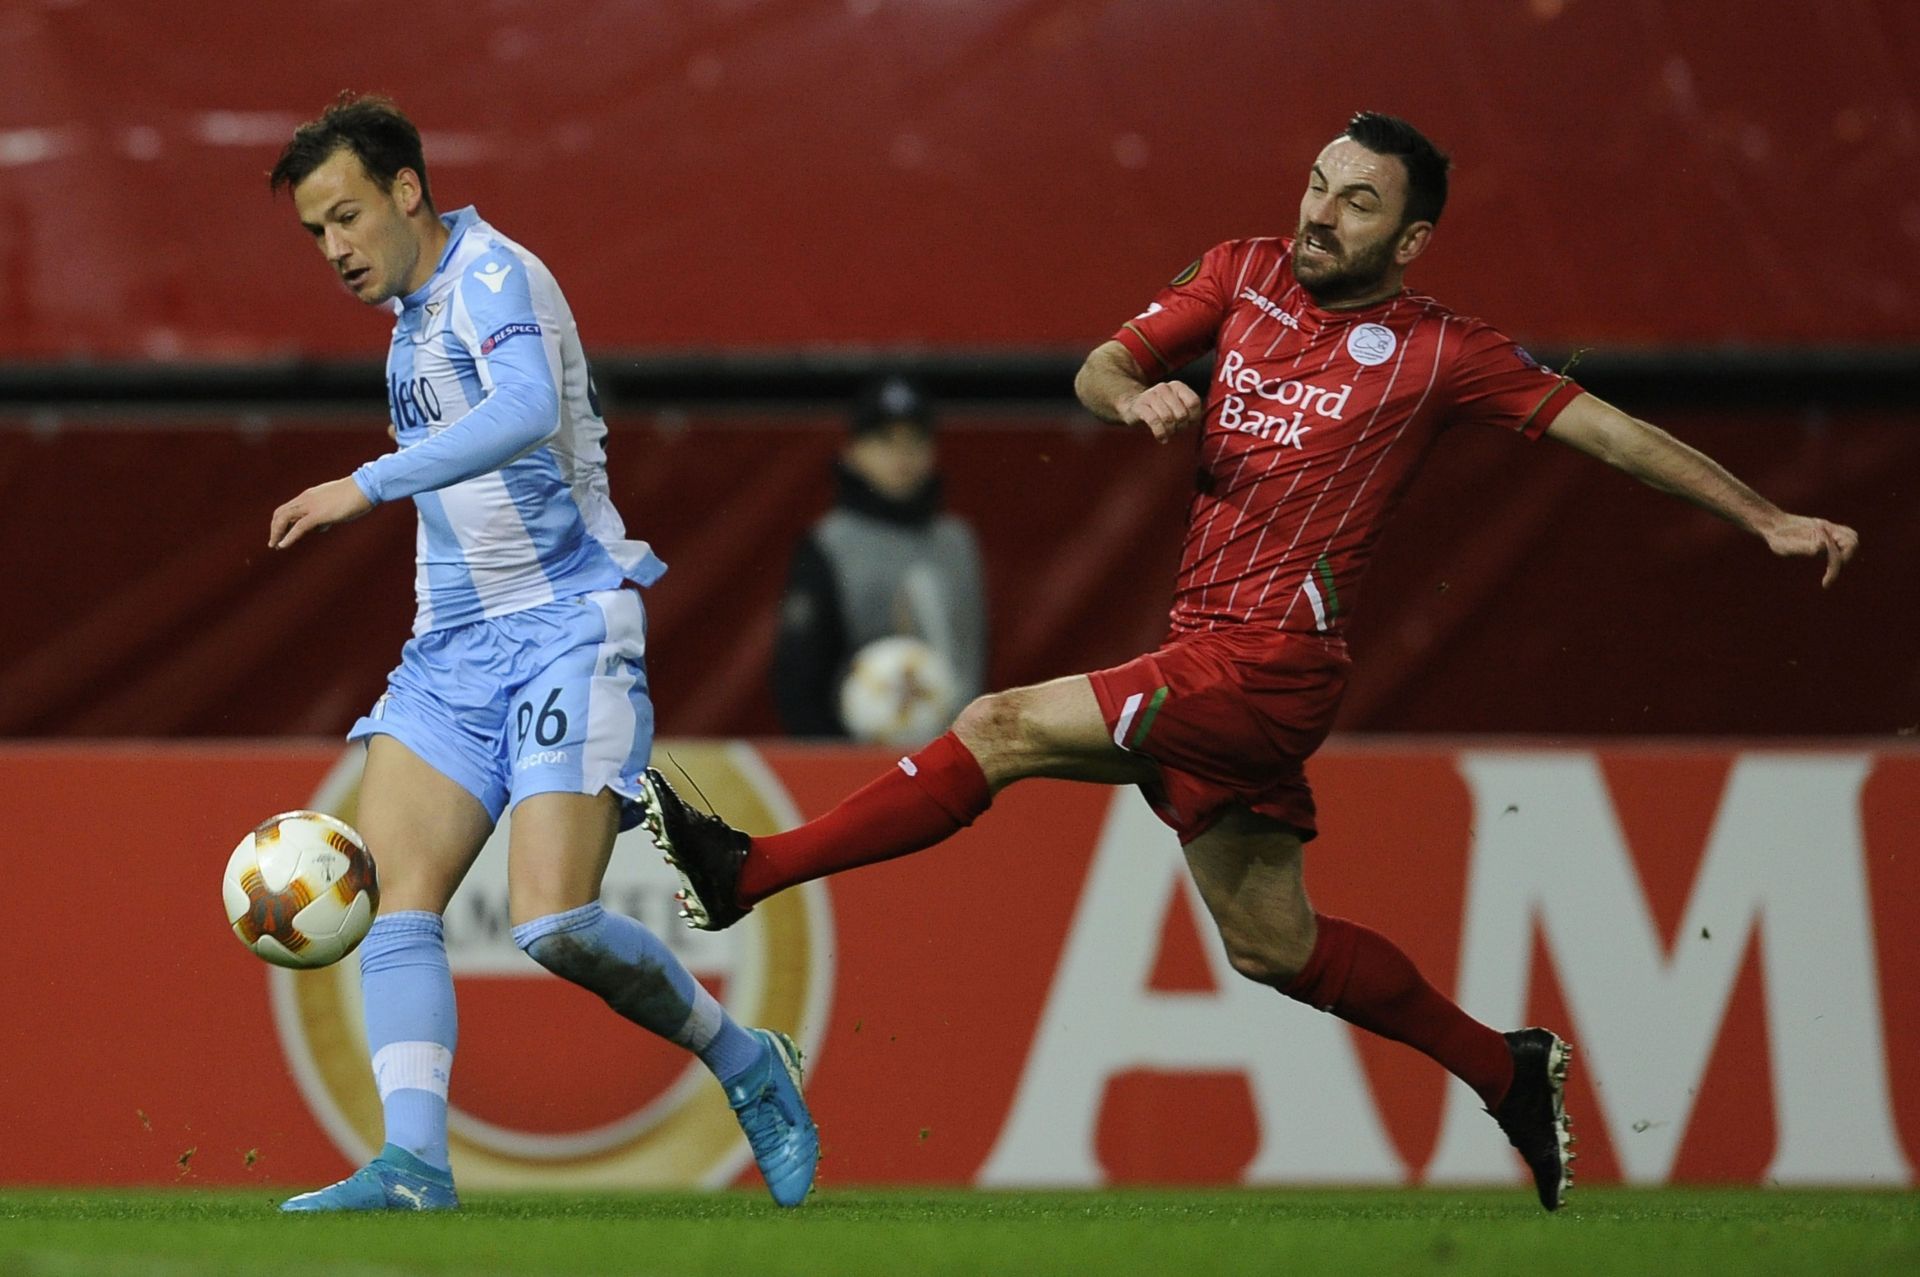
(1229, 716)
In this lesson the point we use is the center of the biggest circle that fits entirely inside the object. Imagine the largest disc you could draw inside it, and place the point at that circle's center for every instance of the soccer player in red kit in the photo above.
(1330, 381)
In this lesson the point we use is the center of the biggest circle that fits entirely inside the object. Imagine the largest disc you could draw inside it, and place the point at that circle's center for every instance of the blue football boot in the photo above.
(395, 1180)
(766, 1098)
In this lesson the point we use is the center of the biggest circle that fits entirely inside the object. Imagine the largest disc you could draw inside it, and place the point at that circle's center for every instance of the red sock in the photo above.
(915, 804)
(1364, 978)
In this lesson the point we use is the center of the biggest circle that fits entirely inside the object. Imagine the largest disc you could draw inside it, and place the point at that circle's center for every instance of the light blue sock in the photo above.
(639, 977)
(406, 988)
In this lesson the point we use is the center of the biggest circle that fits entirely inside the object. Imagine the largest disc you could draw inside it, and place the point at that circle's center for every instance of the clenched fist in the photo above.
(1165, 409)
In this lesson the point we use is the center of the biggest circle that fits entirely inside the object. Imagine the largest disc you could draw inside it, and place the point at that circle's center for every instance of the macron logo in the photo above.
(493, 275)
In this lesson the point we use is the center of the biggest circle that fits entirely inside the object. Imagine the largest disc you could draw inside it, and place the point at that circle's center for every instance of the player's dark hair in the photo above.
(370, 126)
(1426, 164)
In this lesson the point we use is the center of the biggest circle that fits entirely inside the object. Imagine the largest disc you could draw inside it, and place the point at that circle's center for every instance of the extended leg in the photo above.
(561, 845)
(1248, 869)
(1055, 729)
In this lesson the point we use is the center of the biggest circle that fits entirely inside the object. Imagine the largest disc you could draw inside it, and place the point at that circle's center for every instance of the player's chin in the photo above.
(367, 289)
(1314, 274)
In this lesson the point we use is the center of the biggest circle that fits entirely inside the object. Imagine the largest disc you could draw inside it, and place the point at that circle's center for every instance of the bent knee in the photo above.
(556, 951)
(1021, 724)
(997, 720)
(541, 887)
(566, 955)
(1271, 960)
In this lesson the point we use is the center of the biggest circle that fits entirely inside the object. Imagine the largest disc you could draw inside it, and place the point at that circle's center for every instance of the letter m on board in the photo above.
(1782, 870)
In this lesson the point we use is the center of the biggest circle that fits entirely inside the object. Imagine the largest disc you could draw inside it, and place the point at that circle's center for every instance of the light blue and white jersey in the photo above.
(502, 446)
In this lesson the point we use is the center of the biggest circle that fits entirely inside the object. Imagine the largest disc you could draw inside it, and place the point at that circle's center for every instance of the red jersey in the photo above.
(1315, 422)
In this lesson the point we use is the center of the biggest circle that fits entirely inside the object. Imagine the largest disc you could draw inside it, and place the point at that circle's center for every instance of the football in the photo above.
(899, 691)
(300, 889)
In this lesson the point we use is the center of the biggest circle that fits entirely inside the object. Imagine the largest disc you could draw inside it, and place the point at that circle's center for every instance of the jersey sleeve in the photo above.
(1495, 382)
(1184, 318)
(512, 350)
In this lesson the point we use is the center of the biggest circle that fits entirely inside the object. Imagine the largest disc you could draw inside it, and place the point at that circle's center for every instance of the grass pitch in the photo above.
(1602, 1231)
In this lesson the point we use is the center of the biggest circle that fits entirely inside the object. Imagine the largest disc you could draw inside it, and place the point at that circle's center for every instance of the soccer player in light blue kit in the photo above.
(524, 686)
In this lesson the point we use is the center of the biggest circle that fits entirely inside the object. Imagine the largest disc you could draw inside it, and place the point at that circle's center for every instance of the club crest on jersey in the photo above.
(426, 329)
(1371, 344)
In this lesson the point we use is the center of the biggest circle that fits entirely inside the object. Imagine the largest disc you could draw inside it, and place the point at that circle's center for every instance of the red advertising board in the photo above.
(1721, 929)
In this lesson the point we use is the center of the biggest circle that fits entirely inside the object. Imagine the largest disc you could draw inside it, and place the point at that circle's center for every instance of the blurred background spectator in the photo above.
(886, 563)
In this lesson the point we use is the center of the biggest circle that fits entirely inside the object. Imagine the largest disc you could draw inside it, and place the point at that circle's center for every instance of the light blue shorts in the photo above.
(549, 700)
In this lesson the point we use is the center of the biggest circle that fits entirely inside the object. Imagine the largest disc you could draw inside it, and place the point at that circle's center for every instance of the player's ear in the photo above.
(406, 191)
(1413, 242)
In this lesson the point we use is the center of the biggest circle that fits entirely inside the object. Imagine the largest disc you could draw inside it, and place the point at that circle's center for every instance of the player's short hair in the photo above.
(889, 400)
(367, 124)
(1426, 164)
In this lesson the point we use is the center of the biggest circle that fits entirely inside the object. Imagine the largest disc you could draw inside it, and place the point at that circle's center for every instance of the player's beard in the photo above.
(1347, 276)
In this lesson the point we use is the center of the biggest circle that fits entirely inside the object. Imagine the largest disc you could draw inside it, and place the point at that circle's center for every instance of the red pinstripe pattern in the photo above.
(1327, 549)
(1268, 508)
(1197, 552)
(1254, 313)
(1334, 471)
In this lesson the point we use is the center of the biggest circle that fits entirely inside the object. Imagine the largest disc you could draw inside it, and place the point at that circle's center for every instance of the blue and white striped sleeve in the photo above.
(521, 409)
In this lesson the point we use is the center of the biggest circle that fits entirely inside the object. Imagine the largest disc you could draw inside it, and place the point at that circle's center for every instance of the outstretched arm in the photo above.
(1657, 459)
(514, 347)
(1112, 388)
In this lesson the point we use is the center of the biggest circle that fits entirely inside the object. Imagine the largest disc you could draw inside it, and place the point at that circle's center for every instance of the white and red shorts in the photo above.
(1229, 716)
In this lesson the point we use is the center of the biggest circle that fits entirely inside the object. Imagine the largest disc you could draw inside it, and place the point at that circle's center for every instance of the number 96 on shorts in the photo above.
(552, 699)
